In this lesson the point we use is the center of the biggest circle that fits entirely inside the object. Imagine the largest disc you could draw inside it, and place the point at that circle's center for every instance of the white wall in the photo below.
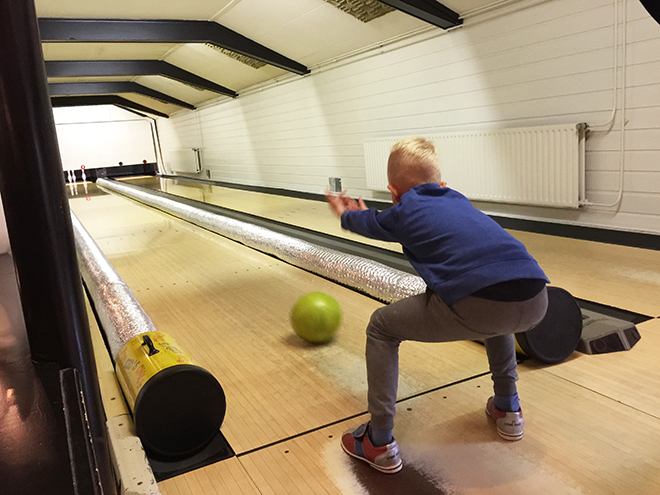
(102, 136)
(183, 135)
(549, 63)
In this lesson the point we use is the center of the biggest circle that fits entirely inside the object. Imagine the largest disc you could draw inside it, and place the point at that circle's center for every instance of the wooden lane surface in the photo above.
(618, 276)
(592, 422)
(225, 477)
(631, 377)
(576, 442)
(228, 306)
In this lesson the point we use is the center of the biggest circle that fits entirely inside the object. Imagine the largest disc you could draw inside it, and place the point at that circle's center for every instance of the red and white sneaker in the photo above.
(509, 424)
(386, 459)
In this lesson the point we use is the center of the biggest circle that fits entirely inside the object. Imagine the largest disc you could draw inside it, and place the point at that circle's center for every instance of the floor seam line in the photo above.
(603, 395)
(353, 416)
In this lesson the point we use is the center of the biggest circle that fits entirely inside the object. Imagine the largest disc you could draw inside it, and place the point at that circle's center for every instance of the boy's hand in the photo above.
(342, 202)
(336, 202)
(351, 204)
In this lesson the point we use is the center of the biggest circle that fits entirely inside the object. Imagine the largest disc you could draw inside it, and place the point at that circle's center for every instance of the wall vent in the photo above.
(363, 10)
(249, 61)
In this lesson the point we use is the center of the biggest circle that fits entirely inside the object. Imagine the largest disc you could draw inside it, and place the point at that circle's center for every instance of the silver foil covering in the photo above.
(119, 312)
(375, 279)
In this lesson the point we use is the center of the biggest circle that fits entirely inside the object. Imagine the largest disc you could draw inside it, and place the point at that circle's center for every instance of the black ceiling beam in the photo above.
(109, 88)
(104, 68)
(427, 10)
(135, 112)
(161, 31)
(84, 101)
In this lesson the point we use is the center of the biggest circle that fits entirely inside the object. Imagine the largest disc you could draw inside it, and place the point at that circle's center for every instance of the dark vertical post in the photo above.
(38, 218)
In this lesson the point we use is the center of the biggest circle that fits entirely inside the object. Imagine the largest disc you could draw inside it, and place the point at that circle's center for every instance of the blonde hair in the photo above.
(413, 161)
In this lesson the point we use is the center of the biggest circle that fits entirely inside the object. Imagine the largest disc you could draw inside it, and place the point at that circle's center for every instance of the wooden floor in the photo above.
(592, 421)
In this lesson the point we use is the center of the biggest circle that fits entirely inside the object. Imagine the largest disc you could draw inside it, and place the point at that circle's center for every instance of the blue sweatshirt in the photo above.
(454, 247)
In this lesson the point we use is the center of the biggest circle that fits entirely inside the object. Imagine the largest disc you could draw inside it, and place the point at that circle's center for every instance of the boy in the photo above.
(482, 285)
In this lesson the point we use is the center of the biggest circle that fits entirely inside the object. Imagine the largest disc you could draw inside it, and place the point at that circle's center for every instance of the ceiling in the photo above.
(168, 63)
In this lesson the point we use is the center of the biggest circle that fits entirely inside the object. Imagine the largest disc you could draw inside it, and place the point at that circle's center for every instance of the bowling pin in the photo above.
(84, 177)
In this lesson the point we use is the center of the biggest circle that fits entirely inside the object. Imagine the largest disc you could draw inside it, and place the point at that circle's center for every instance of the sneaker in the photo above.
(509, 424)
(386, 459)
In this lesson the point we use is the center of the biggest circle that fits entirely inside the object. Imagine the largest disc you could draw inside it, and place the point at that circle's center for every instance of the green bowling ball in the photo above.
(315, 317)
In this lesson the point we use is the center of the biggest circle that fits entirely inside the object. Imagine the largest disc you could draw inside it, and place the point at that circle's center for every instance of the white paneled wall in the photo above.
(550, 63)
(102, 136)
(178, 134)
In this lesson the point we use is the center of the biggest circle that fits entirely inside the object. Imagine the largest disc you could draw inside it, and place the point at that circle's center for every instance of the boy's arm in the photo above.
(369, 223)
(356, 217)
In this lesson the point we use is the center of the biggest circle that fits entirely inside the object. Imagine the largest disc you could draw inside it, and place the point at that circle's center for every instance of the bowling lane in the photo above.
(576, 442)
(228, 306)
(307, 213)
(631, 377)
(619, 276)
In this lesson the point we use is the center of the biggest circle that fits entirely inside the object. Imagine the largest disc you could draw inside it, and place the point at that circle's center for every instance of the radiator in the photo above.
(186, 160)
(542, 166)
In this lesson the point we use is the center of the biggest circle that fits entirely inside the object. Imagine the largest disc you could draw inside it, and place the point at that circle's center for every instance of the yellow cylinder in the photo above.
(137, 362)
(519, 349)
(178, 406)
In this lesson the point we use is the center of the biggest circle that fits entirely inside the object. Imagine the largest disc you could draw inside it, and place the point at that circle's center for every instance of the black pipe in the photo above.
(653, 7)
(38, 218)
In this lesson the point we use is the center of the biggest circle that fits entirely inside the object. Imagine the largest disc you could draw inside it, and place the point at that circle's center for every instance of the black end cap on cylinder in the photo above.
(179, 411)
(558, 334)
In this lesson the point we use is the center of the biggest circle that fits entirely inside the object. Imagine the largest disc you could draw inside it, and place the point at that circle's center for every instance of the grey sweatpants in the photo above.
(426, 318)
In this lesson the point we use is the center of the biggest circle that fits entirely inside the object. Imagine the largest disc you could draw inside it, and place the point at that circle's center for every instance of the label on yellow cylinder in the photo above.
(142, 357)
